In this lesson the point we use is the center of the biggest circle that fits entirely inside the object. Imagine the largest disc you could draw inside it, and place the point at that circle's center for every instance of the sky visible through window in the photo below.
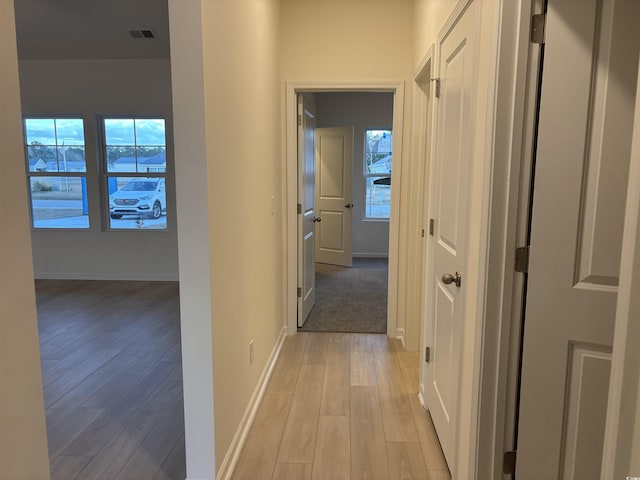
(130, 132)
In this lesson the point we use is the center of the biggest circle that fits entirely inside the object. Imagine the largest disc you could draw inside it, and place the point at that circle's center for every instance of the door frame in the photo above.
(511, 68)
(291, 191)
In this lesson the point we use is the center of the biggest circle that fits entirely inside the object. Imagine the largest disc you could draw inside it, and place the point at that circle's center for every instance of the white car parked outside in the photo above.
(141, 197)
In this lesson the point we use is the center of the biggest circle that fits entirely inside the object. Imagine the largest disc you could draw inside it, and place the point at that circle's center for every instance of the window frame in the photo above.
(105, 174)
(29, 174)
(367, 175)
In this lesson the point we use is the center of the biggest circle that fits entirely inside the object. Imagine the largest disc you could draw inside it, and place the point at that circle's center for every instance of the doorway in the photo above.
(394, 92)
(353, 172)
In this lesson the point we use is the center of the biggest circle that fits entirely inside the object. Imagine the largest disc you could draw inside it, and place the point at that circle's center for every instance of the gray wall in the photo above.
(362, 111)
(89, 88)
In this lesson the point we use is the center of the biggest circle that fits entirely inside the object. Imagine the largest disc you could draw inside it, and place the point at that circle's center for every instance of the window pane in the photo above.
(70, 131)
(378, 197)
(40, 131)
(137, 203)
(71, 159)
(119, 131)
(121, 159)
(152, 159)
(59, 202)
(378, 151)
(42, 158)
(150, 132)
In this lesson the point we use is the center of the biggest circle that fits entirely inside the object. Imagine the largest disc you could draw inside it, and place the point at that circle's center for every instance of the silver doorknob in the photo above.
(317, 219)
(448, 278)
(349, 205)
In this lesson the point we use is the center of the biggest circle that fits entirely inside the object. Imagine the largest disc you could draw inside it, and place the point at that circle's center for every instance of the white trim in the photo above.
(233, 454)
(400, 335)
(421, 400)
(424, 73)
(290, 217)
(159, 277)
(517, 77)
(620, 454)
(369, 255)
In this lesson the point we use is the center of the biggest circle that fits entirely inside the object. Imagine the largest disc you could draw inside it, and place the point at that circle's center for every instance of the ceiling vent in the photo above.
(142, 34)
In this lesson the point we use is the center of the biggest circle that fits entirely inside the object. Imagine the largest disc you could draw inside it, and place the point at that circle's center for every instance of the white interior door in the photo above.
(334, 195)
(581, 173)
(306, 212)
(452, 162)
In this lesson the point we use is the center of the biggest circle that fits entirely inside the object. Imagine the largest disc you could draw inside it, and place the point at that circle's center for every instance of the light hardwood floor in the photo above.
(112, 379)
(338, 406)
(342, 406)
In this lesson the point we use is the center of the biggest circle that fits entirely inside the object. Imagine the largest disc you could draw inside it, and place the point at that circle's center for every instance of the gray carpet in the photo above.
(350, 299)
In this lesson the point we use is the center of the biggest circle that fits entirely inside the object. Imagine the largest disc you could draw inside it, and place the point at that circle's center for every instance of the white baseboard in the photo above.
(370, 255)
(400, 336)
(421, 400)
(159, 277)
(233, 454)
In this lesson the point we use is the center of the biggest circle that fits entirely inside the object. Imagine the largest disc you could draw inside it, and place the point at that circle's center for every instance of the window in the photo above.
(377, 173)
(56, 172)
(134, 166)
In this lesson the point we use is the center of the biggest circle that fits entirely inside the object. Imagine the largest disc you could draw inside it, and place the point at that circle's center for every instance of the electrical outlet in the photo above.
(251, 352)
(273, 205)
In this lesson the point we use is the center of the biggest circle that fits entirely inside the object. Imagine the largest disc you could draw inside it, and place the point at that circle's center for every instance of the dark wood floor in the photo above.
(112, 379)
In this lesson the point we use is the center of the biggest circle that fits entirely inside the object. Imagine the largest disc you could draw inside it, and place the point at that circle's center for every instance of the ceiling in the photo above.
(81, 29)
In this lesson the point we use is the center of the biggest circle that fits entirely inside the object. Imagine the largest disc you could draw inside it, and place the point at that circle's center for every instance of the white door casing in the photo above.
(453, 130)
(334, 195)
(582, 165)
(306, 199)
(291, 175)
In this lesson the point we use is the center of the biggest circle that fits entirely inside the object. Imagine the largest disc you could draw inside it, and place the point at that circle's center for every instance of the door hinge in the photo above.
(299, 208)
(299, 120)
(431, 226)
(537, 28)
(423, 233)
(436, 83)
(427, 354)
(522, 259)
(299, 292)
(509, 462)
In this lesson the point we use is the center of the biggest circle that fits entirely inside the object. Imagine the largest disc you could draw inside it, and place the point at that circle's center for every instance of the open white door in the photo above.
(581, 172)
(450, 204)
(306, 206)
(334, 197)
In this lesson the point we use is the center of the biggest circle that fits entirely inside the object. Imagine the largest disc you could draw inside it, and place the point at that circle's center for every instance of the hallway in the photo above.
(342, 406)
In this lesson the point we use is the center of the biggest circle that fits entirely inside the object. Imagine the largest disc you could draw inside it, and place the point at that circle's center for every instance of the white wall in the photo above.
(23, 436)
(240, 44)
(362, 111)
(228, 109)
(428, 18)
(354, 41)
(89, 88)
